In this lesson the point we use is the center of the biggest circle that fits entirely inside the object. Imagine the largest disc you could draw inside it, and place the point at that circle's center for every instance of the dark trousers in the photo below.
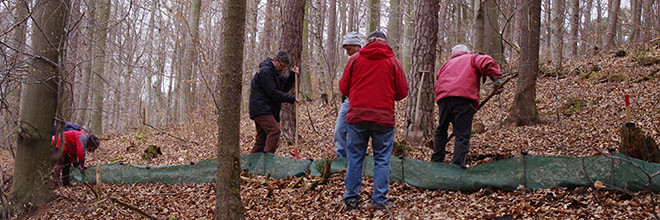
(268, 134)
(61, 168)
(459, 112)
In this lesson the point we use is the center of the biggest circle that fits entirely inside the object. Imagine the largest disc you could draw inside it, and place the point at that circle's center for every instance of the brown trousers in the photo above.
(268, 134)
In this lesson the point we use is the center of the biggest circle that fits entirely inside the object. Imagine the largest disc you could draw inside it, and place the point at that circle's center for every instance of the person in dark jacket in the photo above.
(457, 96)
(267, 92)
(73, 153)
(373, 79)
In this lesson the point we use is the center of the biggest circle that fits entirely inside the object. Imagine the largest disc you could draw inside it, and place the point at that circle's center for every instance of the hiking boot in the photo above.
(386, 205)
(352, 203)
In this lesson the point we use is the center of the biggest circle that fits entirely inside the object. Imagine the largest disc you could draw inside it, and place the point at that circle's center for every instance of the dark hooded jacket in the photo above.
(269, 89)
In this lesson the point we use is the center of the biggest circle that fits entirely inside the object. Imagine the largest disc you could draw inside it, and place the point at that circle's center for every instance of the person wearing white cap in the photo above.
(352, 44)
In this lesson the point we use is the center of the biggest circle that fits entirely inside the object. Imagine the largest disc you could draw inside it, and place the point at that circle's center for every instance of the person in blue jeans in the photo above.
(373, 79)
(352, 44)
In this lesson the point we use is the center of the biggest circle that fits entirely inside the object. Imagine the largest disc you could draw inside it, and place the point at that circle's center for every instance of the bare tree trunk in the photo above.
(408, 34)
(85, 100)
(575, 27)
(228, 203)
(588, 29)
(636, 7)
(548, 26)
(478, 27)
(293, 12)
(599, 30)
(394, 27)
(33, 186)
(268, 29)
(524, 111)
(557, 35)
(649, 20)
(374, 15)
(12, 89)
(612, 16)
(71, 55)
(491, 33)
(331, 47)
(101, 35)
(420, 116)
(351, 16)
(517, 29)
(305, 67)
(185, 103)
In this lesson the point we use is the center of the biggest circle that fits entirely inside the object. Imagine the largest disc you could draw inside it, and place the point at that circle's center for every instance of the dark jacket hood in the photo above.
(377, 50)
(268, 63)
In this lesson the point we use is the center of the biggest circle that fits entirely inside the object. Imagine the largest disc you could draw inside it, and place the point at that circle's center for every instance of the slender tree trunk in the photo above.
(575, 27)
(185, 103)
(612, 16)
(408, 35)
(85, 100)
(16, 62)
(228, 203)
(636, 7)
(331, 47)
(101, 35)
(374, 15)
(351, 16)
(420, 116)
(587, 30)
(598, 27)
(548, 26)
(492, 37)
(557, 35)
(394, 27)
(305, 67)
(524, 111)
(478, 27)
(517, 29)
(649, 20)
(268, 29)
(33, 186)
(293, 12)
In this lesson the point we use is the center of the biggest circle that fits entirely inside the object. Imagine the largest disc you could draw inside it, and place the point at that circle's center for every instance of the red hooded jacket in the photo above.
(459, 76)
(373, 79)
(73, 145)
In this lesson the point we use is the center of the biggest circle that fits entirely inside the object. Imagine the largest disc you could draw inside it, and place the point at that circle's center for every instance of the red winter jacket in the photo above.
(373, 79)
(459, 76)
(74, 145)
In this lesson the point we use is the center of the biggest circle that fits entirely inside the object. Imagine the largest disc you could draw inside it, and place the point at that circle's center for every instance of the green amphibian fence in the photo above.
(533, 172)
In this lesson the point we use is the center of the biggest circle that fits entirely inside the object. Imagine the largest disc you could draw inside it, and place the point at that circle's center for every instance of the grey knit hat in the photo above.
(352, 38)
(377, 34)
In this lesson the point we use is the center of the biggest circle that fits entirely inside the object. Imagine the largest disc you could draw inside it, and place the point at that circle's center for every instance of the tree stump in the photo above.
(635, 144)
(151, 152)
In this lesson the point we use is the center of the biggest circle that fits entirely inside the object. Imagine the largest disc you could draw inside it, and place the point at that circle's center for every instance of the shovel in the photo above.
(415, 135)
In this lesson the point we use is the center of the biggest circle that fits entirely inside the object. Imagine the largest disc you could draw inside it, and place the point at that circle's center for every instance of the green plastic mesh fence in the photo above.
(533, 172)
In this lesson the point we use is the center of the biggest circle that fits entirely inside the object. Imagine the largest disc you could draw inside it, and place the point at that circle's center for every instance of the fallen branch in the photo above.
(131, 207)
(610, 186)
(168, 134)
(312, 121)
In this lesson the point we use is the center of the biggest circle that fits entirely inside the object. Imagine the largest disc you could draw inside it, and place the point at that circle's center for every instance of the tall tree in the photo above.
(575, 27)
(228, 203)
(478, 26)
(524, 110)
(267, 34)
(636, 7)
(87, 73)
(100, 38)
(557, 35)
(331, 46)
(394, 27)
(293, 12)
(612, 16)
(649, 20)
(374, 15)
(492, 36)
(305, 67)
(32, 186)
(185, 101)
(419, 107)
(351, 16)
(13, 89)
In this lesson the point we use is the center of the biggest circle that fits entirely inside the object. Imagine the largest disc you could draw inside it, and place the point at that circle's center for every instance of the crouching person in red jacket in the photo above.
(373, 79)
(75, 144)
(457, 96)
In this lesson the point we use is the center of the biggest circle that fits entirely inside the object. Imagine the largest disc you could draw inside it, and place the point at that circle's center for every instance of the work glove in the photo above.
(496, 86)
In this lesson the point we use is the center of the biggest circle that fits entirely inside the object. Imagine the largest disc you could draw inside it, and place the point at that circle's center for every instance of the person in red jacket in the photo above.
(457, 96)
(75, 145)
(373, 79)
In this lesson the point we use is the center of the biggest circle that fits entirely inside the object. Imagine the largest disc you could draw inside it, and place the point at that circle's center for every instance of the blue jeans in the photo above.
(381, 141)
(341, 130)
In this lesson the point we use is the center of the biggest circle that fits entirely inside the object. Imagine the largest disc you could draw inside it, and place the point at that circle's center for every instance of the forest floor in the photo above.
(591, 92)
